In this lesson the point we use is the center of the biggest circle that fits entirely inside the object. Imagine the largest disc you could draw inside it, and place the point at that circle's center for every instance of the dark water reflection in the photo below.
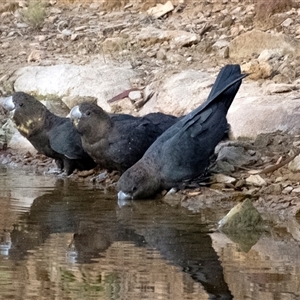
(62, 240)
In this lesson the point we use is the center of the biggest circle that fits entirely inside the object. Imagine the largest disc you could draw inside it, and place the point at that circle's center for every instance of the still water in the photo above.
(65, 240)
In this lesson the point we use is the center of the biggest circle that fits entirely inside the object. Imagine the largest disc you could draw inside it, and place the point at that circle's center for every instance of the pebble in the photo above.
(221, 178)
(287, 190)
(287, 23)
(52, 19)
(135, 95)
(256, 180)
(296, 190)
(5, 45)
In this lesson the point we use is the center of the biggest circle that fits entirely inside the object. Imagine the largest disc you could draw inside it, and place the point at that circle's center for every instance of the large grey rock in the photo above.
(99, 80)
(236, 155)
(180, 93)
(255, 41)
(254, 112)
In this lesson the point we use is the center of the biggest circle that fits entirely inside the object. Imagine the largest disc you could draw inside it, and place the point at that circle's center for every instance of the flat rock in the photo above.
(99, 80)
(256, 180)
(152, 35)
(180, 93)
(279, 88)
(255, 41)
(160, 9)
(135, 95)
(253, 112)
(268, 54)
(221, 178)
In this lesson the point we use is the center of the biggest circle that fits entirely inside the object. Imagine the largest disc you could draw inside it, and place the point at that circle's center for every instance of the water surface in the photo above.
(64, 240)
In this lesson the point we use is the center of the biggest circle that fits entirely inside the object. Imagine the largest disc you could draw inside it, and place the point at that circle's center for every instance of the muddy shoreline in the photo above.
(277, 194)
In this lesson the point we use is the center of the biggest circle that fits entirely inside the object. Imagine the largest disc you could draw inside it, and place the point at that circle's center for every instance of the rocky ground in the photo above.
(201, 35)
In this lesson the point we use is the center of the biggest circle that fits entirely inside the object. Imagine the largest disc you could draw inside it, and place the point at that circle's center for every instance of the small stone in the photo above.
(294, 165)
(227, 22)
(280, 179)
(217, 7)
(218, 186)
(235, 30)
(5, 45)
(74, 36)
(161, 54)
(80, 28)
(36, 55)
(22, 25)
(94, 6)
(60, 36)
(129, 5)
(287, 190)
(113, 44)
(11, 33)
(237, 10)
(224, 52)
(135, 95)
(273, 189)
(243, 216)
(174, 57)
(151, 53)
(224, 178)
(66, 32)
(296, 143)
(5, 14)
(55, 11)
(219, 44)
(296, 190)
(240, 183)
(41, 38)
(255, 180)
(268, 54)
(287, 22)
(185, 40)
(236, 156)
(23, 3)
(160, 9)
(172, 191)
(101, 177)
(52, 19)
(278, 88)
(251, 152)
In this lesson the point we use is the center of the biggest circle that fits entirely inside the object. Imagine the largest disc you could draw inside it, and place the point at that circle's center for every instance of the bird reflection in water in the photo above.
(100, 226)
